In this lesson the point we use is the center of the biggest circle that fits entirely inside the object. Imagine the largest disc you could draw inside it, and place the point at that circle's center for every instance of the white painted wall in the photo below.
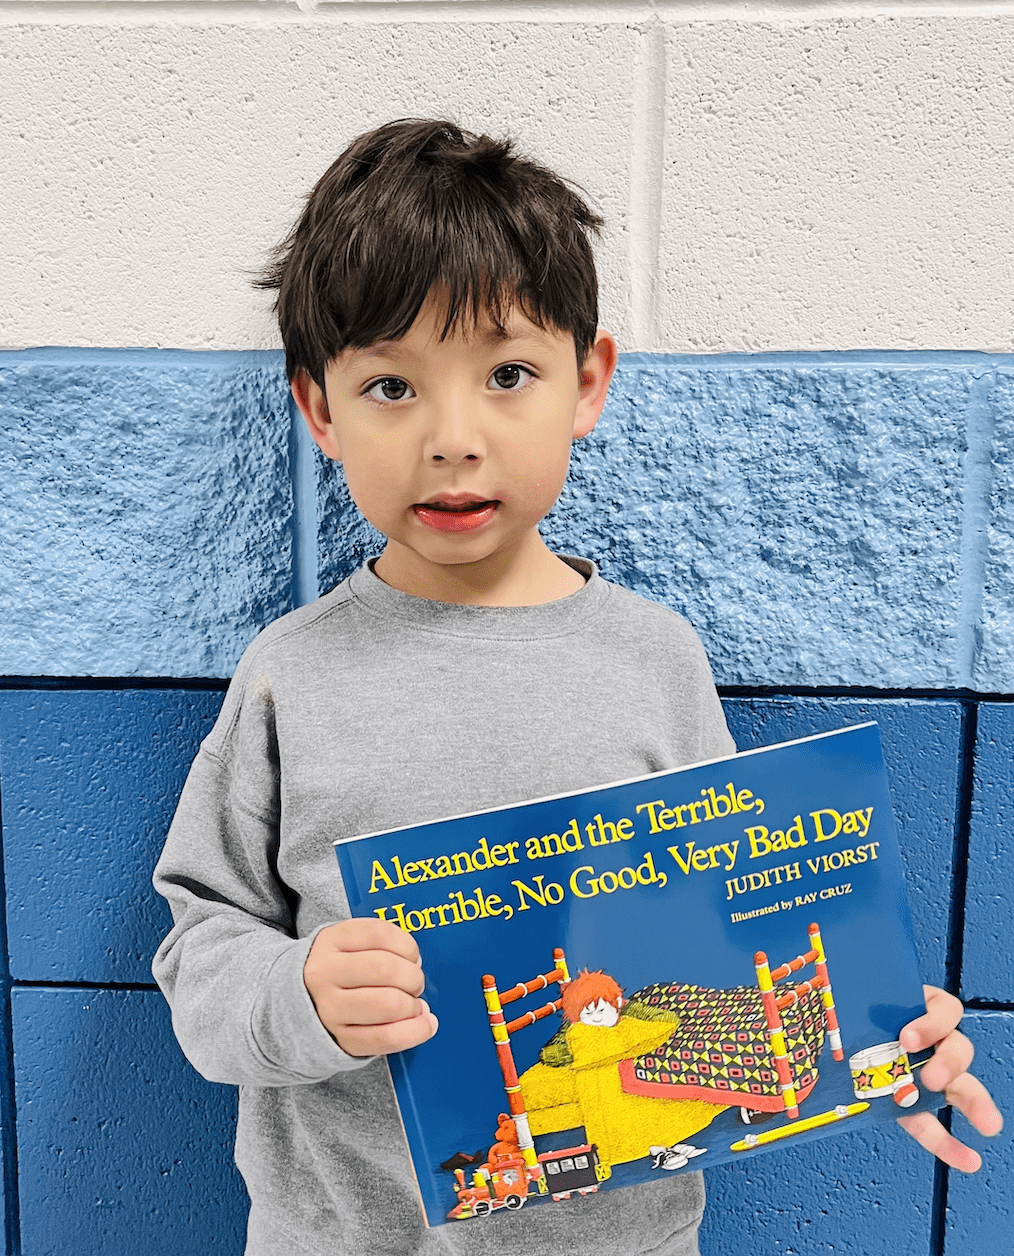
(774, 175)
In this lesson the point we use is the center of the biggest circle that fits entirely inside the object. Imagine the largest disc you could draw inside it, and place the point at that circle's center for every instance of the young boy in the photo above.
(438, 304)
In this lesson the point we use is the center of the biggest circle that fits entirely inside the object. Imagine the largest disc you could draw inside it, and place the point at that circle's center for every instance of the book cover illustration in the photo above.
(651, 976)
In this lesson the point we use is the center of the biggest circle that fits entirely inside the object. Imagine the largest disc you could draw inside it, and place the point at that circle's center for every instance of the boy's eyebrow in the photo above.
(497, 335)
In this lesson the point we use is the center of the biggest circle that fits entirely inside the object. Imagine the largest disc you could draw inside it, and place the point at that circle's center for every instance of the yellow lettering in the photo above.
(650, 808)
(822, 834)
(379, 873)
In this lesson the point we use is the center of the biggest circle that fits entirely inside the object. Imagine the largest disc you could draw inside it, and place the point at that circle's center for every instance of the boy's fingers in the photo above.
(974, 1102)
(951, 1058)
(942, 1015)
(383, 1039)
(354, 969)
(370, 1006)
(929, 1133)
(359, 934)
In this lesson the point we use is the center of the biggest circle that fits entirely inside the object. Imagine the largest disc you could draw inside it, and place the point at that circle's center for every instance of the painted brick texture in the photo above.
(980, 1208)
(122, 1148)
(126, 547)
(179, 152)
(807, 520)
(805, 1207)
(801, 176)
(821, 523)
(90, 782)
(820, 483)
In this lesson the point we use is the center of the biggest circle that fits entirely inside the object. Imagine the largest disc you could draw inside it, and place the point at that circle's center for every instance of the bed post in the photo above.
(830, 1016)
(502, 1031)
(776, 1033)
(511, 1084)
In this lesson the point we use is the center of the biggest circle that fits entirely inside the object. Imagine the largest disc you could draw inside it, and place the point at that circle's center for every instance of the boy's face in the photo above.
(600, 1013)
(455, 449)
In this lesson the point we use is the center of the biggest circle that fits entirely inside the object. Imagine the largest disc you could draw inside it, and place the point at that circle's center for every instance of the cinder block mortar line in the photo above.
(302, 469)
(202, 684)
(944, 359)
(8, 1106)
(796, 11)
(646, 163)
(917, 359)
(76, 355)
(306, 12)
(488, 12)
(938, 1207)
(962, 826)
(140, 987)
(862, 692)
(977, 465)
(199, 684)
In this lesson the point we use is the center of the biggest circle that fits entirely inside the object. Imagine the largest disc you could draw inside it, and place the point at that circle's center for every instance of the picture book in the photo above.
(651, 976)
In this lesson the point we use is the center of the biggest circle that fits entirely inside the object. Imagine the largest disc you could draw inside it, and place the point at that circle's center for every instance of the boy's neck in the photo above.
(529, 577)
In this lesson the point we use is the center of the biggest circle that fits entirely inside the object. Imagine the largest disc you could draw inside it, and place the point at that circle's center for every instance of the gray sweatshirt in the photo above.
(368, 710)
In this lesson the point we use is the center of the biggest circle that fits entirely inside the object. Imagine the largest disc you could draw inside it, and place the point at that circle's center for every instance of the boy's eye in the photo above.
(390, 388)
(510, 376)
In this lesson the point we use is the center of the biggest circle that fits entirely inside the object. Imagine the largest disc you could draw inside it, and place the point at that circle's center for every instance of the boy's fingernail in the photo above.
(909, 1039)
(424, 1007)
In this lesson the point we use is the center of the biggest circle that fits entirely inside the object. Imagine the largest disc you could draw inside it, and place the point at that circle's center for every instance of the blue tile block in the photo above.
(921, 741)
(988, 964)
(806, 517)
(122, 1147)
(994, 671)
(146, 521)
(6, 1096)
(980, 1206)
(90, 781)
(866, 1194)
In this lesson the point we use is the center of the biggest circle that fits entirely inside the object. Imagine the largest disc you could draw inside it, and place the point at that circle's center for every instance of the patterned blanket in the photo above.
(719, 1049)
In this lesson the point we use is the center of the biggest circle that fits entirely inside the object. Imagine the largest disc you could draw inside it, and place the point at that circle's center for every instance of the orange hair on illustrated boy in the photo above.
(593, 999)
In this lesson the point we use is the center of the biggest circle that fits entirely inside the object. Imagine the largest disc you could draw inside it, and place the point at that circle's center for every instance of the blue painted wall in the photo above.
(839, 528)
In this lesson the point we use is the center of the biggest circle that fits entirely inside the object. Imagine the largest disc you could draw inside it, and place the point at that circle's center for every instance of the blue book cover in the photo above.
(652, 976)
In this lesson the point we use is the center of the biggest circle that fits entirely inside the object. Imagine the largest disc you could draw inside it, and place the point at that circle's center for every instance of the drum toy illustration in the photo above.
(883, 1070)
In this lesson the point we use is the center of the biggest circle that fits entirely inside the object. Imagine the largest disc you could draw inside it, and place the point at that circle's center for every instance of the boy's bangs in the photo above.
(474, 263)
(464, 302)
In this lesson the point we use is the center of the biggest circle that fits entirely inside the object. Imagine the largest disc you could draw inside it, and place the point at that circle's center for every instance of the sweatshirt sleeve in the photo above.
(716, 740)
(231, 967)
(701, 708)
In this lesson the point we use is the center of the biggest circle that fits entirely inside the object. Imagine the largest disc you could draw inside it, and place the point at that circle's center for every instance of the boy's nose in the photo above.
(454, 437)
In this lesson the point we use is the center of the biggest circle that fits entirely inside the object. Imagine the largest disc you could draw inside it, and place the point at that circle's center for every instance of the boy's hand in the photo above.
(365, 978)
(947, 1070)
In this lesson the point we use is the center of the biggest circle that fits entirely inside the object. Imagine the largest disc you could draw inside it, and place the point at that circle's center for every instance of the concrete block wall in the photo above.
(807, 451)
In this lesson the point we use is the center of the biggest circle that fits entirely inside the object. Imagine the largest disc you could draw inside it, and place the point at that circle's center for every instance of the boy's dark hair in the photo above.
(417, 205)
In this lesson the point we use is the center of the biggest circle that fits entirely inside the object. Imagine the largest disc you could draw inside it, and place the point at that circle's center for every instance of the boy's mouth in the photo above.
(455, 514)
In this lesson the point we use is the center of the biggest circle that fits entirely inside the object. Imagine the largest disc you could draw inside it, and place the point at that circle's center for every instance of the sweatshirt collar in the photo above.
(546, 619)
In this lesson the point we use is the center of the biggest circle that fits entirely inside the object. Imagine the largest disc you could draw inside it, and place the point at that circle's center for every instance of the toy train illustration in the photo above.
(505, 1182)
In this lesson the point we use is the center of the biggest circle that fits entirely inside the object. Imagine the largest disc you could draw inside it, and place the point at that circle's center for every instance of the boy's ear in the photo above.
(312, 403)
(593, 377)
